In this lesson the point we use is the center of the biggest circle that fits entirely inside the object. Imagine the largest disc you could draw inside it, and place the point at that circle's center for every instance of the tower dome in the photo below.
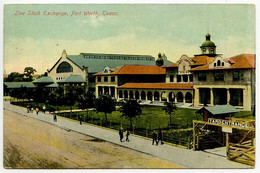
(208, 47)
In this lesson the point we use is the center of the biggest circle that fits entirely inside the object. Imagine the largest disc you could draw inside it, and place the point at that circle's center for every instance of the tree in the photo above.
(131, 109)
(105, 104)
(28, 72)
(86, 101)
(71, 96)
(14, 77)
(170, 108)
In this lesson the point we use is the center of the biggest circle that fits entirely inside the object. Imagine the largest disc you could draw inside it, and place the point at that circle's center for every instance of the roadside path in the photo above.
(180, 156)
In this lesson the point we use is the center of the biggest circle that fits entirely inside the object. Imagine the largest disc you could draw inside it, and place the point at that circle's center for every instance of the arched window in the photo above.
(126, 94)
(131, 95)
(143, 95)
(156, 95)
(64, 67)
(149, 95)
(137, 95)
(188, 97)
(179, 97)
(120, 94)
(171, 96)
(218, 62)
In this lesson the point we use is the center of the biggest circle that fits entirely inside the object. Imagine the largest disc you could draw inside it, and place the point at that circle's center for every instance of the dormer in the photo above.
(219, 62)
(107, 70)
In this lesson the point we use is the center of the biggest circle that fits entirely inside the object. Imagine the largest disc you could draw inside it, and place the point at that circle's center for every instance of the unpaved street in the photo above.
(30, 143)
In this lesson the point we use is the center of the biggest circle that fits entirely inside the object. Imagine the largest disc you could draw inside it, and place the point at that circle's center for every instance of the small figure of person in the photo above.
(32, 109)
(37, 110)
(28, 109)
(80, 120)
(127, 135)
(121, 135)
(160, 137)
(155, 138)
(43, 109)
(54, 118)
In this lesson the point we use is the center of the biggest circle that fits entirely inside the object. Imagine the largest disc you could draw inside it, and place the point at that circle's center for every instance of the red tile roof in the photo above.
(183, 86)
(138, 70)
(172, 65)
(195, 61)
(243, 61)
(201, 60)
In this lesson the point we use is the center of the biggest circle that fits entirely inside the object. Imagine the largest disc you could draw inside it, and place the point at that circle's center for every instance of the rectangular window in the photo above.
(191, 78)
(238, 75)
(105, 79)
(178, 78)
(185, 78)
(171, 78)
(202, 76)
(112, 78)
(99, 78)
(219, 76)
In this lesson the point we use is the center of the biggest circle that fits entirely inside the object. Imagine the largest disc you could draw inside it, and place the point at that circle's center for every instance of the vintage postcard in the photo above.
(101, 86)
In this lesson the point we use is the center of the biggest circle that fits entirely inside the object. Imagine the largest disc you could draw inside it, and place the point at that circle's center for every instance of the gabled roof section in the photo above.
(137, 70)
(73, 79)
(19, 84)
(54, 85)
(201, 60)
(97, 62)
(170, 86)
(219, 109)
(243, 61)
(44, 79)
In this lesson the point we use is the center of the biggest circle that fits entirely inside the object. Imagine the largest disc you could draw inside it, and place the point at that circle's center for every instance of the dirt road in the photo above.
(30, 143)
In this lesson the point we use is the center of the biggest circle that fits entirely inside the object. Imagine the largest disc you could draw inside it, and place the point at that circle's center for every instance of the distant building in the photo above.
(80, 69)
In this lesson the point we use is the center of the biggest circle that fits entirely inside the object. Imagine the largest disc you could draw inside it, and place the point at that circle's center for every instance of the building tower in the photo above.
(159, 61)
(208, 47)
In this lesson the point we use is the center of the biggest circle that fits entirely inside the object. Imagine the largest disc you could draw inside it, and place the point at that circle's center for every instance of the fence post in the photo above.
(147, 132)
(100, 121)
(180, 140)
(189, 142)
(133, 129)
(110, 125)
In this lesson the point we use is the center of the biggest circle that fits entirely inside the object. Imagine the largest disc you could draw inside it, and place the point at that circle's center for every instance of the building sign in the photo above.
(232, 123)
(227, 129)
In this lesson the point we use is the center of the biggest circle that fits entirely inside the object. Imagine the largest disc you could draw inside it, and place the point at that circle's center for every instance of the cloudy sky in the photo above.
(38, 40)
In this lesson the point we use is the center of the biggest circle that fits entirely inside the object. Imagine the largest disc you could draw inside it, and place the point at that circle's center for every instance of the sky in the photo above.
(38, 40)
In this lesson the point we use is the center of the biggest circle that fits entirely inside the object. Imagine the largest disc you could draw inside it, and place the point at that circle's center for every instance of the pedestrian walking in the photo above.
(32, 109)
(54, 118)
(28, 109)
(80, 120)
(127, 135)
(43, 109)
(37, 110)
(121, 135)
(155, 138)
(160, 137)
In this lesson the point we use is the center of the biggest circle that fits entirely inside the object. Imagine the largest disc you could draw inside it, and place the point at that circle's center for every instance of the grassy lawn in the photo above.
(153, 117)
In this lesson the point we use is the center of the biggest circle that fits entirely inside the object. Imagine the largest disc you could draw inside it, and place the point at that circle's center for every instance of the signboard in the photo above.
(227, 129)
(232, 123)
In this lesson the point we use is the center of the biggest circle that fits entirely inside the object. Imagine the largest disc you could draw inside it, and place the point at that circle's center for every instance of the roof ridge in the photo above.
(115, 54)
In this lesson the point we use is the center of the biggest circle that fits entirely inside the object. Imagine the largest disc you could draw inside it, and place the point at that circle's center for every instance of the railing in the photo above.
(181, 138)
